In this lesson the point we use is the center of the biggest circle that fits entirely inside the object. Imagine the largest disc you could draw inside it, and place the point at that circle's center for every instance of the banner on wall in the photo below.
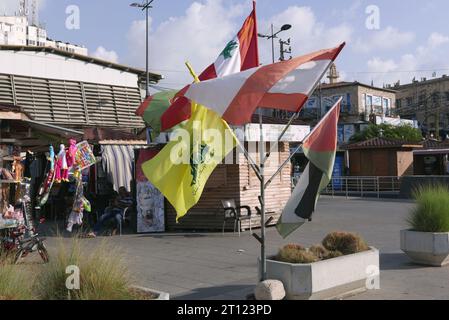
(149, 200)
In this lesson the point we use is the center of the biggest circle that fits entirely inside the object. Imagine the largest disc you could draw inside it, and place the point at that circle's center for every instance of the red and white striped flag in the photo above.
(241, 53)
(284, 85)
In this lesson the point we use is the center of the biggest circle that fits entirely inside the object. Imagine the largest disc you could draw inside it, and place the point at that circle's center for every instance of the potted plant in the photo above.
(342, 265)
(427, 240)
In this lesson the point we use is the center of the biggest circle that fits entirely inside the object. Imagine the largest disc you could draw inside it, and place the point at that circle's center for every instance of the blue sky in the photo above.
(413, 39)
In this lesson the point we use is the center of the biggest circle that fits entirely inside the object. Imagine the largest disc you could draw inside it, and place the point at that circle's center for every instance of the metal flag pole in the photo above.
(263, 262)
(263, 158)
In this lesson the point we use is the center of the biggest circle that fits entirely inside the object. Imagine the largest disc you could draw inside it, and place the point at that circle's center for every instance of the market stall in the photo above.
(46, 158)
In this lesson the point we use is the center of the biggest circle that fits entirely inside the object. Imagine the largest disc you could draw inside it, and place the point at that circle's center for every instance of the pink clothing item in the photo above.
(71, 153)
(61, 168)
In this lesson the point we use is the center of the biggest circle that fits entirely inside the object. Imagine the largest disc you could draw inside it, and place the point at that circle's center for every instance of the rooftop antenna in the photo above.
(23, 8)
(34, 13)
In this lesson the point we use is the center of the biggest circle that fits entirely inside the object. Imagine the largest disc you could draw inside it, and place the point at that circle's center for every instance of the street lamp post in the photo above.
(146, 6)
(273, 36)
(262, 238)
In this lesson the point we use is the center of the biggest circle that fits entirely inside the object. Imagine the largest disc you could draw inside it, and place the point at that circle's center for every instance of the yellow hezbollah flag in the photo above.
(181, 170)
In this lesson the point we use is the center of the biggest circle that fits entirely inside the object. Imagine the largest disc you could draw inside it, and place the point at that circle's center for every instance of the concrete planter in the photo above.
(160, 295)
(329, 279)
(425, 247)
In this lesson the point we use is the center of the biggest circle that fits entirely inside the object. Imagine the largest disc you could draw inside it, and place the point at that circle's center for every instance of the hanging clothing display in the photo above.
(118, 162)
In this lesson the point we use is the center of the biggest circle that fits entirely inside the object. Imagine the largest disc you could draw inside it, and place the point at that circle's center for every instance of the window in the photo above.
(409, 101)
(436, 97)
(398, 103)
(422, 100)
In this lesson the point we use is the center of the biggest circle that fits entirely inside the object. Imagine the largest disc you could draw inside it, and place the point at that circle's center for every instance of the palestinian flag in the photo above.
(320, 149)
(153, 107)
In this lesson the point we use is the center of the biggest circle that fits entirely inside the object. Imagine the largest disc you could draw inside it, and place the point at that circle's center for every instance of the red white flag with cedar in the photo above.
(241, 53)
(285, 85)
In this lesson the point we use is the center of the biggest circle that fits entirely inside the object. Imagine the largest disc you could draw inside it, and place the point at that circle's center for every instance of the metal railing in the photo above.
(364, 186)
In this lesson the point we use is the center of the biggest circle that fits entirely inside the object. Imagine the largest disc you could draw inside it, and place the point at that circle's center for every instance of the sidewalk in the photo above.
(212, 266)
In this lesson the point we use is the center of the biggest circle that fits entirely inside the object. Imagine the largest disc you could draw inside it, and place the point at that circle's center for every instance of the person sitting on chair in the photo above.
(120, 202)
(113, 212)
(124, 198)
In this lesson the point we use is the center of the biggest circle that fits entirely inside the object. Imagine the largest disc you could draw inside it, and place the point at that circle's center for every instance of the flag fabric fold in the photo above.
(182, 168)
(320, 149)
(239, 54)
(285, 85)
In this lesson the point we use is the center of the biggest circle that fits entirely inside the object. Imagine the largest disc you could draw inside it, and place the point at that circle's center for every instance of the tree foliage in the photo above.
(403, 132)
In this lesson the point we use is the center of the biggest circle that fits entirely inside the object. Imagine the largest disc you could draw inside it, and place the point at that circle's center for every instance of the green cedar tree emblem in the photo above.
(195, 163)
(229, 49)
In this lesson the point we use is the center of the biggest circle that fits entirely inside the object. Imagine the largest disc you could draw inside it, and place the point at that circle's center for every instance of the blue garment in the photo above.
(109, 214)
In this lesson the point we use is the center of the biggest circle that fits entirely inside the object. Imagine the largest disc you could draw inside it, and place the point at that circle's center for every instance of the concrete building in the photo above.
(17, 31)
(360, 101)
(427, 101)
(361, 104)
(61, 88)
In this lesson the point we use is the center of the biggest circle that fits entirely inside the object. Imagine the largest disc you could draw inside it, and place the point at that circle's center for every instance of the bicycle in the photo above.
(16, 243)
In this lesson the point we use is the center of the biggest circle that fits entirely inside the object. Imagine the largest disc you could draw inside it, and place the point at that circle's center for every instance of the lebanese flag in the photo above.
(241, 53)
(320, 148)
(285, 85)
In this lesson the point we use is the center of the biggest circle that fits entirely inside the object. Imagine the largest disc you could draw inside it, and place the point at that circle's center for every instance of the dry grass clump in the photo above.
(103, 275)
(334, 245)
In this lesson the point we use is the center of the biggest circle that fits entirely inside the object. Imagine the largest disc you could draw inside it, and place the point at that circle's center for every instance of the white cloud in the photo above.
(380, 65)
(307, 33)
(102, 53)
(426, 60)
(200, 34)
(386, 39)
(437, 39)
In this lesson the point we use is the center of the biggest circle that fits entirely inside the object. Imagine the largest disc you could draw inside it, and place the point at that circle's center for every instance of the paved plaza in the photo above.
(213, 266)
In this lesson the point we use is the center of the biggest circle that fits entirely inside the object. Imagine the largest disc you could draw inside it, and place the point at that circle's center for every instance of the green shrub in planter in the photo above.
(345, 243)
(431, 213)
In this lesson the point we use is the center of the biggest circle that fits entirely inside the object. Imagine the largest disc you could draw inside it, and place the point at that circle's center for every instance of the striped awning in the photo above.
(118, 163)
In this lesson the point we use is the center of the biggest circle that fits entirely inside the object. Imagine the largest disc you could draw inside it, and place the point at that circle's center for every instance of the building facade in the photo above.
(361, 105)
(17, 31)
(426, 101)
(70, 90)
(360, 101)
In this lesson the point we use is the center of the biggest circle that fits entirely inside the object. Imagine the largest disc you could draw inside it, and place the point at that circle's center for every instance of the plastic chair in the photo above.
(234, 213)
(125, 218)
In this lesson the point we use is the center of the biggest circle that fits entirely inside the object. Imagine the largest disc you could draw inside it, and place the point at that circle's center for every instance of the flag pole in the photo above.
(263, 258)
(282, 166)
